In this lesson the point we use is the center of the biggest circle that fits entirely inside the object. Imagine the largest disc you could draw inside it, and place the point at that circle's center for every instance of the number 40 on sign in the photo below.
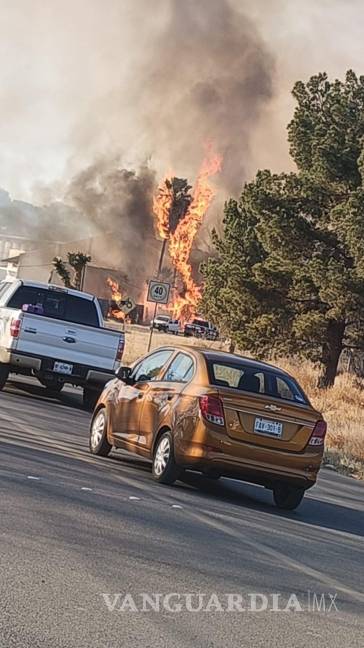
(158, 292)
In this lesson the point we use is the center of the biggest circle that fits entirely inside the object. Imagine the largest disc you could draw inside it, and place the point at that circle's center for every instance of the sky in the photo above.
(76, 81)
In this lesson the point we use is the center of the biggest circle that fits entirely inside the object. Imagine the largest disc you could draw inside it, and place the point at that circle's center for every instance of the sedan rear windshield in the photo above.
(56, 304)
(256, 380)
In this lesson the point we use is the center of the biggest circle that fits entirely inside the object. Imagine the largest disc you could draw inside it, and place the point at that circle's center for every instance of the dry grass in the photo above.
(136, 342)
(342, 406)
(343, 409)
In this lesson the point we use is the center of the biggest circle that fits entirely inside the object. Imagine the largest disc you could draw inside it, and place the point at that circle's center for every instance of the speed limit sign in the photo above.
(158, 292)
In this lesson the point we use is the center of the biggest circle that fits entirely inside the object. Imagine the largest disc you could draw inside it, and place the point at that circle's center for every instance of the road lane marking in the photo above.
(177, 506)
(86, 488)
(209, 518)
(133, 497)
(32, 477)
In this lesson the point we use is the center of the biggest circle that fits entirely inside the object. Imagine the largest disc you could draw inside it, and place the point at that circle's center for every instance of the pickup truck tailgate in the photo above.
(68, 342)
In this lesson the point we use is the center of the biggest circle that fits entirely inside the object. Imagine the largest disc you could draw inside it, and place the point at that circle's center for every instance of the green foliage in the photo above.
(77, 261)
(62, 271)
(289, 276)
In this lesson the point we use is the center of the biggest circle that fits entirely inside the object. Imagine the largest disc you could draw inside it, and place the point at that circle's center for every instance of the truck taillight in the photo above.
(211, 409)
(318, 434)
(120, 351)
(15, 327)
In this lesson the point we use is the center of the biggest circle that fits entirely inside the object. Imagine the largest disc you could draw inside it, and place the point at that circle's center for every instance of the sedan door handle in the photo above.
(70, 340)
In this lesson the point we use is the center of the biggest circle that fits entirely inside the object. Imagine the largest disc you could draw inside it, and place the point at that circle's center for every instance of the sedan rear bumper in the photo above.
(249, 462)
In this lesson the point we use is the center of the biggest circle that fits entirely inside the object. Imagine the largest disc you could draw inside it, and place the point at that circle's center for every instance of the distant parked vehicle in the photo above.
(201, 328)
(166, 324)
(160, 322)
(173, 326)
(56, 334)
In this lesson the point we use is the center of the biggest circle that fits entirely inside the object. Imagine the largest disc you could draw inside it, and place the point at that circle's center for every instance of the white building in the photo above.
(10, 248)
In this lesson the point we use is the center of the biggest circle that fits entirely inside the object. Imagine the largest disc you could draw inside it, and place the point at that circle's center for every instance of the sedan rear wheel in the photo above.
(287, 497)
(99, 444)
(165, 469)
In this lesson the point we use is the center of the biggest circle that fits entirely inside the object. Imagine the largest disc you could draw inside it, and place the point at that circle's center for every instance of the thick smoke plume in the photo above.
(117, 204)
(198, 72)
(207, 79)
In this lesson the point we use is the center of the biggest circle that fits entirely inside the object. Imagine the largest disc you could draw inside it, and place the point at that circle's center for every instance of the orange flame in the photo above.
(181, 241)
(162, 203)
(116, 297)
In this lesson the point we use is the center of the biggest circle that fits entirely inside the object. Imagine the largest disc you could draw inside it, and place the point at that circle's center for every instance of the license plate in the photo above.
(63, 368)
(263, 426)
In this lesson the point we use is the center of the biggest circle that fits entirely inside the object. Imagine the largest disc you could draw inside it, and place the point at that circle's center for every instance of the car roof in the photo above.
(213, 355)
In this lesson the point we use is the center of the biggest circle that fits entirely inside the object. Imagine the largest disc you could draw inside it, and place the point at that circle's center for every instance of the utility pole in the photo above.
(159, 270)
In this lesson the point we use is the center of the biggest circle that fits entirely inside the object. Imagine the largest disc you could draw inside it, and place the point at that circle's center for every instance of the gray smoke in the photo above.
(198, 72)
(206, 79)
(53, 222)
(116, 204)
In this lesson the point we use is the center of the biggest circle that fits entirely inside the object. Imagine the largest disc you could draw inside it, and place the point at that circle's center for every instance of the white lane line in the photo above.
(32, 477)
(132, 497)
(85, 488)
(177, 506)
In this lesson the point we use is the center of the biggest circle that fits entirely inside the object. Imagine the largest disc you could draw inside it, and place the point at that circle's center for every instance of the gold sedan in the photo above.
(214, 412)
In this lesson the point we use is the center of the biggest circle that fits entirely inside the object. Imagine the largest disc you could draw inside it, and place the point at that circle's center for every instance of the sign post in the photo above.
(158, 292)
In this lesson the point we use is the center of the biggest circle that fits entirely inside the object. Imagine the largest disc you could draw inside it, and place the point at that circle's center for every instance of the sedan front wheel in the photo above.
(99, 444)
(165, 469)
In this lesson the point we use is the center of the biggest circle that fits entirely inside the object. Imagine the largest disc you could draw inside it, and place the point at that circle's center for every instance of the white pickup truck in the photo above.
(58, 335)
(166, 324)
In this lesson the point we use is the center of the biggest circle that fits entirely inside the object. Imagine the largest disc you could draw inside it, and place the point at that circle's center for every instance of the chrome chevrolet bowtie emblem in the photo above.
(273, 408)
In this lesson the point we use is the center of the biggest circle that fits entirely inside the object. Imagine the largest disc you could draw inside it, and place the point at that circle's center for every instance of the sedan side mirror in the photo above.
(124, 374)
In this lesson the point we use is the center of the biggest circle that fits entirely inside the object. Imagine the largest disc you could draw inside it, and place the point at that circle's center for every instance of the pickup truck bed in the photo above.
(42, 340)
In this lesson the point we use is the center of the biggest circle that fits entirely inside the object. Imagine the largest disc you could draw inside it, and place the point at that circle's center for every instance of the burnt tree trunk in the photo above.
(331, 351)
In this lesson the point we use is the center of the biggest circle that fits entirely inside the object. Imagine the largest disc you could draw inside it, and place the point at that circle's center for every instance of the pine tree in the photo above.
(289, 277)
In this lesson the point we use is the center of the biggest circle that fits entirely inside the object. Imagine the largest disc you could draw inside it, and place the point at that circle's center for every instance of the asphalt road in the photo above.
(74, 528)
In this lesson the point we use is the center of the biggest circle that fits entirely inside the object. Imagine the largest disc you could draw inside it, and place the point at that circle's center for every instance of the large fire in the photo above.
(181, 240)
(116, 313)
(162, 204)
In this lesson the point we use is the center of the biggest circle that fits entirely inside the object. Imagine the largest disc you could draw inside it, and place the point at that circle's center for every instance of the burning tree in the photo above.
(178, 217)
(117, 300)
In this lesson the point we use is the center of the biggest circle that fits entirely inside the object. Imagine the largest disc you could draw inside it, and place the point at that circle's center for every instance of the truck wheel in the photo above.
(287, 497)
(54, 386)
(4, 374)
(90, 398)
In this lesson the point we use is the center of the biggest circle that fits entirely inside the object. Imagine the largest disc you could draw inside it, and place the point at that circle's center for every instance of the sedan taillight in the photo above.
(318, 434)
(212, 409)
